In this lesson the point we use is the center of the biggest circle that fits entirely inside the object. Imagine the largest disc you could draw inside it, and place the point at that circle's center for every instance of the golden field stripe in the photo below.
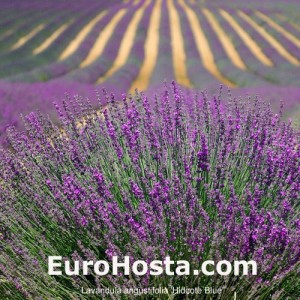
(225, 40)
(247, 39)
(47, 43)
(280, 29)
(151, 50)
(270, 39)
(103, 38)
(126, 43)
(76, 42)
(14, 28)
(203, 47)
(177, 43)
(296, 26)
(283, 18)
(23, 40)
(6, 34)
(136, 2)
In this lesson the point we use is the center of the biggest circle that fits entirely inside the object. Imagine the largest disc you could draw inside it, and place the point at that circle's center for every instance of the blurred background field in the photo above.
(48, 48)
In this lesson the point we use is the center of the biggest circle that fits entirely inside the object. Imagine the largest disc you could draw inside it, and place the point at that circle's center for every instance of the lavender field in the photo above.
(149, 128)
(47, 49)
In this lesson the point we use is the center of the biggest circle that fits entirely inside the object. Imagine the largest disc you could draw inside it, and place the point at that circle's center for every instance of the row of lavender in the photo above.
(45, 66)
(66, 75)
(52, 18)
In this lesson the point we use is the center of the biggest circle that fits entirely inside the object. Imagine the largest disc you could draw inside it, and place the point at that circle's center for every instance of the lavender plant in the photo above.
(175, 174)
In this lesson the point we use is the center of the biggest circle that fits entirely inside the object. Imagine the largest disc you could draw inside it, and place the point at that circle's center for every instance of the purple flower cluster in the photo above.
(175, 174)
(22, 98)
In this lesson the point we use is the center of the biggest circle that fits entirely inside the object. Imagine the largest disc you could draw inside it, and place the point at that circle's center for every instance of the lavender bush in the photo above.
(174, 175)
